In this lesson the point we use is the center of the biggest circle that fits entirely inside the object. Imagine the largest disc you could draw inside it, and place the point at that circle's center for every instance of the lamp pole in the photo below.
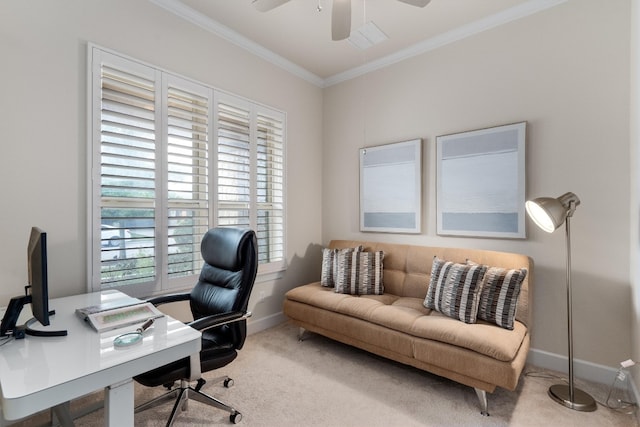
(570, 396)
(569, 302)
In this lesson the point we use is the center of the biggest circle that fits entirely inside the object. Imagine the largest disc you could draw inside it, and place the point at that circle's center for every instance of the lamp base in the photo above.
(582, 401)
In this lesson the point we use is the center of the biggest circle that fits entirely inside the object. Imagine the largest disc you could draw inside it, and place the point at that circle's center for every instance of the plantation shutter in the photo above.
(234, 166)
(270, 188)
(159, 180)
(250, 161)
(128, 174)
(187, 175)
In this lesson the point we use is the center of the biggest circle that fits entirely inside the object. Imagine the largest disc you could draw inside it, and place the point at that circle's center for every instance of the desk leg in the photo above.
(118, 405)
(62, 413)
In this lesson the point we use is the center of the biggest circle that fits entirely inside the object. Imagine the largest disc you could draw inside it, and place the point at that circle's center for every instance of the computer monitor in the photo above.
(38, 278)
(36, 292)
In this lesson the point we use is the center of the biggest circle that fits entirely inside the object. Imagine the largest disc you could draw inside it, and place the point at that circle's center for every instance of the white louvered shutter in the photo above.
(187, 180)
(234, 166)
(250, 174)
(128, 175)
(270, 188)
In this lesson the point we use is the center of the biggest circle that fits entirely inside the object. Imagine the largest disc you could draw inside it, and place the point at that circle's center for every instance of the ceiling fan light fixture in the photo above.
(418, 3)
(366, 36)
(266, 5)
(340, 19)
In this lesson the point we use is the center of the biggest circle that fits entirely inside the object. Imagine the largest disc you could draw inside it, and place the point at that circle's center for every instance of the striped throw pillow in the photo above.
(330, 265)
(360, 273)
(499, 296)
(454, 289)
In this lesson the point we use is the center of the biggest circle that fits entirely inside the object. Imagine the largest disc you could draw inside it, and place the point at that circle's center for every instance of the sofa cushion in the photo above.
(454, 289)
(499, 296)
(360, 273)
(317, 295)
(400, 314)
(482, 337)
(330, 264)
(408, 315)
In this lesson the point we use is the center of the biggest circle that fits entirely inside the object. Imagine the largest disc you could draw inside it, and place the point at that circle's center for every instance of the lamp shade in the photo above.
(549, 213)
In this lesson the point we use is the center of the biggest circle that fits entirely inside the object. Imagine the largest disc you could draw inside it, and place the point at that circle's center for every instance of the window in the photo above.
(170, 159)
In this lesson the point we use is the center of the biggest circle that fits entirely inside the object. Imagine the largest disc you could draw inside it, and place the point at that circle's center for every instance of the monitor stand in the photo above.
(8, 325)
(39, 333)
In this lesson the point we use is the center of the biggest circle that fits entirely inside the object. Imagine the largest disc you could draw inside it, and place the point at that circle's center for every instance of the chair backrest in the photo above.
(227, 277)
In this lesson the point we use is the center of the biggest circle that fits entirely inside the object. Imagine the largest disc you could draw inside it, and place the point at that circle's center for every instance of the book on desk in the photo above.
(118, 313)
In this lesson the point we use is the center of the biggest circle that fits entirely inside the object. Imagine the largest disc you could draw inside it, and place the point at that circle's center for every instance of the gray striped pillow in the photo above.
(360, 273)
(454, 289)
(330, 265)
(499, 296)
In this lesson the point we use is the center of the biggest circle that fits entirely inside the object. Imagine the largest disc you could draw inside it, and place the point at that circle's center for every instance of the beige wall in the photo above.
(566, 72)
(43, 169)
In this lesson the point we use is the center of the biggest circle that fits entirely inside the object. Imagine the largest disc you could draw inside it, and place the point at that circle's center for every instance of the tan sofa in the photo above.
(397, 326)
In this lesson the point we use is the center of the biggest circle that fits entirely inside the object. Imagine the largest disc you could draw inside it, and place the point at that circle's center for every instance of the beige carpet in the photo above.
(280, 382)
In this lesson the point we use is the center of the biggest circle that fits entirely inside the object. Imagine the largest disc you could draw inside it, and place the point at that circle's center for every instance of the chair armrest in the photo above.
(219, 319)
(165, 299)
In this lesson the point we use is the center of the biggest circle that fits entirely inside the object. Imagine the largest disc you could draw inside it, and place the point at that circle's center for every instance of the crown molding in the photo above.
(183, 11)
(468, 30)
(517, 12)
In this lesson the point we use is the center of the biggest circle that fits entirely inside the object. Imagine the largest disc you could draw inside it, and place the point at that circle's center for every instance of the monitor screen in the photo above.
(37, 268)
(36, 293)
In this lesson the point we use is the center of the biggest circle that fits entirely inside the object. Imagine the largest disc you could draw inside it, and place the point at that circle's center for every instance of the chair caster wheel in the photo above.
(235, 418)
(228, 382)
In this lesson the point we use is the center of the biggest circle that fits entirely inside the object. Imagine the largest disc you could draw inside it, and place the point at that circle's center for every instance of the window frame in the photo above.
(162, 283)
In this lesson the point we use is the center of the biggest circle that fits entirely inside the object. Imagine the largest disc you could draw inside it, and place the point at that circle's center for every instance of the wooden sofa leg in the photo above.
(484, 406)
(301, 334)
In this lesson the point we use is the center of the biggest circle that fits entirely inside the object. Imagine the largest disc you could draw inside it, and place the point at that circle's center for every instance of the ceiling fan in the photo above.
(340, 14)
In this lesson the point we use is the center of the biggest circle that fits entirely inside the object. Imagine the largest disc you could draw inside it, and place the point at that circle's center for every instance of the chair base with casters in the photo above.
(184, 392)
(190, 369)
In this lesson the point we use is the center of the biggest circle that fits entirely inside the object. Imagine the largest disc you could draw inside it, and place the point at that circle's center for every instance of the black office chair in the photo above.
(219, 306)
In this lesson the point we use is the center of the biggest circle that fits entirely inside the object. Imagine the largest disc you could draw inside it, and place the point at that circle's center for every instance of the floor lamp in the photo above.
(549, 214)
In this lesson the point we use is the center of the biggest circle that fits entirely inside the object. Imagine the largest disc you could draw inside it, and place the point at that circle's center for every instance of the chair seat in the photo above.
(214, 355)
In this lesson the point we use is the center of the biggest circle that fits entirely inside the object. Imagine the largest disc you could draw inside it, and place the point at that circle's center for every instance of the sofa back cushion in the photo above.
(407, 268)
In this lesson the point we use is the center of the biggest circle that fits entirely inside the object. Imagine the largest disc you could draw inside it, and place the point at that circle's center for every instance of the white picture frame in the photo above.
(391, 187)
(480, 178)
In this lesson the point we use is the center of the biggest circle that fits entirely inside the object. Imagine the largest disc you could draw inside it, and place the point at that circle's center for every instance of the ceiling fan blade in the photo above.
(419, 3)
(266, 5)
(340, 19)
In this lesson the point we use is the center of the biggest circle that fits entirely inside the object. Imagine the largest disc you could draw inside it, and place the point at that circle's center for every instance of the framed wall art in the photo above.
(481, 182)
(390, 187)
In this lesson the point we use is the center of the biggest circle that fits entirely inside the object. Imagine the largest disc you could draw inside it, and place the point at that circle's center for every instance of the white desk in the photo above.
(37, 373)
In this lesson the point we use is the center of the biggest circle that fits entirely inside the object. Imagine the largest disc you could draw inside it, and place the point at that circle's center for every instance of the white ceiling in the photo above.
(297, 37)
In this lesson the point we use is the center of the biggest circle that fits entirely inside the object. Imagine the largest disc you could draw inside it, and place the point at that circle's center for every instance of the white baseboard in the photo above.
(581, 369)
(255, 325)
